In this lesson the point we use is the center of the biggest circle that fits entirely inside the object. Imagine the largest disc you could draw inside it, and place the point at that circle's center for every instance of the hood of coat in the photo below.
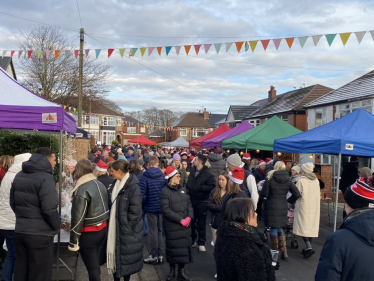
(154, 173)
(214, 157)
(18, 160)
(361, 223)
(281, 176)
(37, 163)
(230, 231)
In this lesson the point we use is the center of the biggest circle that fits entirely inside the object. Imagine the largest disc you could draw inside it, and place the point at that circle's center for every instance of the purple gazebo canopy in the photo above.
(21, 109)
(242, 127)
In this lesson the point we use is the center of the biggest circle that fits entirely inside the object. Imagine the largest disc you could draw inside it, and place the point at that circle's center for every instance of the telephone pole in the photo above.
(80, 85)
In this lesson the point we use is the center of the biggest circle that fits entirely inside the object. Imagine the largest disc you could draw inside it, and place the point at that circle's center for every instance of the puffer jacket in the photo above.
(106, 180)
(7, 217)
(183, 174)
(275, 191)
(200, 186)
(217, 164)
(216, 208)
(176, 205)
(33, 198)
(90, 206)
(129, 228)
(151, 183)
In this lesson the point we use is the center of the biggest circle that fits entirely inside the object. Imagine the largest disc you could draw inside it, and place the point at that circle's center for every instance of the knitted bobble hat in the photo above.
(359, 195)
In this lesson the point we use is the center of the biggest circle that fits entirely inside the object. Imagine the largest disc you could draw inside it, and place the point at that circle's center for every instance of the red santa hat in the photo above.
(261, 162)
(106, 149)
(269, 160)
(170, 172)
(183, 153)
(246, 156)
(237, 175)
(192, 159)
(101, 166)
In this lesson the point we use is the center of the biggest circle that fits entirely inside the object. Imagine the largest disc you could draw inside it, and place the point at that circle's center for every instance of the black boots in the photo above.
(171, 274)
(182, 275)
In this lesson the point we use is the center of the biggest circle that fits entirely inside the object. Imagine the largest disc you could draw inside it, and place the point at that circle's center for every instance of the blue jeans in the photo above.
(275, 231)
(145, 223)
(10, 262)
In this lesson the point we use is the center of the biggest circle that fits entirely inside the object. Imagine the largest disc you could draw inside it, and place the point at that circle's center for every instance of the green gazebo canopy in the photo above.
(262, 137)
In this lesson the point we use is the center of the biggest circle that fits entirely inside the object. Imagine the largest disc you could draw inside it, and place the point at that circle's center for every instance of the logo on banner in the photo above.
(49, 117)
(349, 146)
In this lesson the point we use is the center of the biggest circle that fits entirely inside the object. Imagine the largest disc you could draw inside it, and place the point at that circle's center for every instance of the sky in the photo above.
(212, 81)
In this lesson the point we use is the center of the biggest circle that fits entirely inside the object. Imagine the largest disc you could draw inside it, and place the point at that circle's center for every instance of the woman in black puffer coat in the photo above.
(177, 214)
(276, 187)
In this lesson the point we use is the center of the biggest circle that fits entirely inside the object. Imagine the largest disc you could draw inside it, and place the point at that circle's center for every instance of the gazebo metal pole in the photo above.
(337, 192)
(59, 204)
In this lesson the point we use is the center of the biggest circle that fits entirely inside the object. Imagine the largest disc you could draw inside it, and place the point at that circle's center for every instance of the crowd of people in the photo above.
(120, 194)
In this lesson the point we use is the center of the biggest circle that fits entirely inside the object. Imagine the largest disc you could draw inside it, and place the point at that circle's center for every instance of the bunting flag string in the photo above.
(345, 36)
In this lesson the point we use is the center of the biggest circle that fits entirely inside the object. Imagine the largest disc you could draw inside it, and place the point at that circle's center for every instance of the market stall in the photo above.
(199, 141)
(142, 140)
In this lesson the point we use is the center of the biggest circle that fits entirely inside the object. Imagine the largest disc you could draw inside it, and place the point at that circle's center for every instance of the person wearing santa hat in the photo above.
(184, 155)
(246, 158)
(101, 172)
(348, 253)
(177, 213)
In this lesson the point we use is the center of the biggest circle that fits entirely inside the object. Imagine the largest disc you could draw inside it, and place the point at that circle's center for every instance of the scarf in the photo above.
(261, 171)
(310, 176)
(82, 180)
(250, 229)
(111, 244)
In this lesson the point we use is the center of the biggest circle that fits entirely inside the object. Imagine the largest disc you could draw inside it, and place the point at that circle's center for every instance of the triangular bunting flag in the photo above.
(218, 47)
(29, 53)
(57, 52)
(39, 52)
(253, 45)
(316, 39)
(187, 48)
(372, 33)
(207, 47)
(246, 46)
(302, 40)
(360, 35)
(150, 50)
(86, 51)
(142, 50)
(330, 38)
(19, 53)
(239, 46)
(121, 52)
(345, 37)
(110, 52)
(76, 53)
(48, 53)
(25, 55)
(277, 43)
(64, 106)
(97, 52)
(177, 49)
(265, 43)
(197, 49)
(228, 46)
(167, 49)
(290, 41)
(4, 53)
(159, 49)
(67, 53)
(12, 53)
(133, 50)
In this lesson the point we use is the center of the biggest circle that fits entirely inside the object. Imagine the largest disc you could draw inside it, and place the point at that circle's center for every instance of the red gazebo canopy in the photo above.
(142, 140)
(220, 130)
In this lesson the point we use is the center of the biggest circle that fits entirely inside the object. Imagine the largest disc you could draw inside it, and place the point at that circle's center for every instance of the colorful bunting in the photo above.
(121, 52)
(207, 47)
(246, 46)
(228, 46)
(372, 34)
(12, 53)
(19, 54)
(29, 53)
(360, 35)
(265, 43)
(38, 53)
(110, 52)
(177, 49)
(290, 41)
(48, 53)
(57, 52)
(24, 55)
(167, 49)
(86, 51)
(76, 53)
(197, 49)
(133, 51)
(150, 50)
(277, 43)
(4, 53)
(253, 45)
(67, 53)
(187, 48)
(159, 49)
(330, 38)
(302, 40)
(218, 47)
(239, 46)
(316, 39)
(345, 37)
(97, 52)
(142, 51)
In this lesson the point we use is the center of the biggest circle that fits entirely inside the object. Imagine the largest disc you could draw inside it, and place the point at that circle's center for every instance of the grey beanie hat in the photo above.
(234, 160)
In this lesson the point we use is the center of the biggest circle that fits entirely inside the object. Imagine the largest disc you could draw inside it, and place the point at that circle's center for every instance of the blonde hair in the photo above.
(98, 173)
(6, 161)
(279, 166)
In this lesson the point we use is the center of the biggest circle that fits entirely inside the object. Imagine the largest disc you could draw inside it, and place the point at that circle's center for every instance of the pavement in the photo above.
(295, 268)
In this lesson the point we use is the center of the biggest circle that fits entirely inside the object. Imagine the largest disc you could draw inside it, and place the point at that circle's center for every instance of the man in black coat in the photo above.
(348, 253)
(200, 183)
(34, 200)
(217, 164)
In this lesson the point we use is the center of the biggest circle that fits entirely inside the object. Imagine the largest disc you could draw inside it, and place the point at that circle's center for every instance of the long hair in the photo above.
(217, 192)
(135, 167)
(6, 161)
(279, 166)
(83, 167)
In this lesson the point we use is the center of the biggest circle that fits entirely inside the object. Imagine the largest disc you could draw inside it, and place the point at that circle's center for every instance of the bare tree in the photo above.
(155, 117)
(57, 79)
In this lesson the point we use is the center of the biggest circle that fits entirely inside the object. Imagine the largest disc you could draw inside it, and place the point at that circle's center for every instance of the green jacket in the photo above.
(90, 207)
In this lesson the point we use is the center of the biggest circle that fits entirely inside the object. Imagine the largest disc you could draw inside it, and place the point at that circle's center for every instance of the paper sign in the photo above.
(49, 117)
(349, 146)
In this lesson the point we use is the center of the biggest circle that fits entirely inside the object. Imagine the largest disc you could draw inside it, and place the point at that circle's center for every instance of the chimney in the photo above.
(169, 123)
(272, 94)
(206, 114)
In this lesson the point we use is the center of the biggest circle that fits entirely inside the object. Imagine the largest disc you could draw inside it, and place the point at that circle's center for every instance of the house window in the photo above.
(107, 137)
(142, 129)
(345, 109)
(119, 122)
(199, 132)
(183, 132)
(131, 130)
(95, 134)
(320, 117)
(255, 123)
(109, 121)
